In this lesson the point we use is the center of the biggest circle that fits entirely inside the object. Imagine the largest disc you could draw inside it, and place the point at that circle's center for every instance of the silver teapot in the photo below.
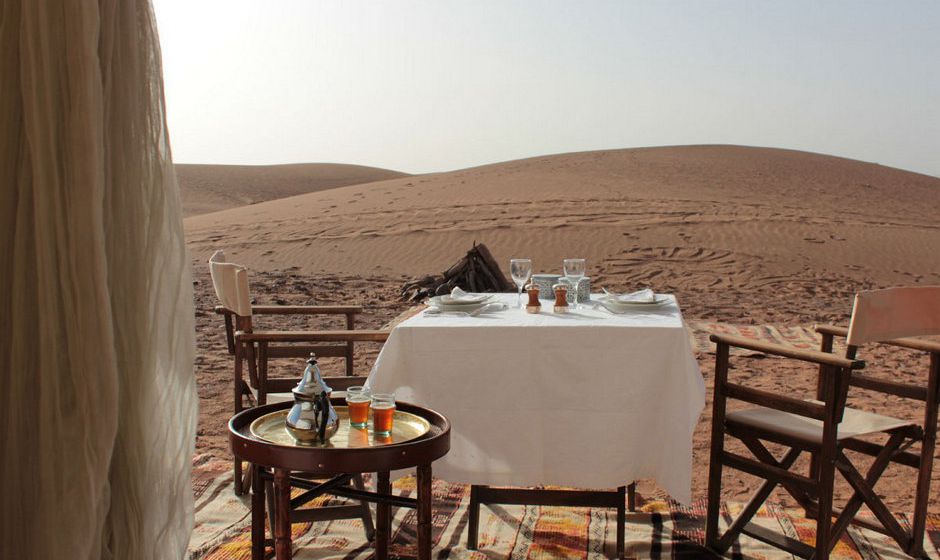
(312, 419)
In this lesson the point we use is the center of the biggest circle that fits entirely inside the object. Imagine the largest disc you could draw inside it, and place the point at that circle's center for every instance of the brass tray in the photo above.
(405, 427)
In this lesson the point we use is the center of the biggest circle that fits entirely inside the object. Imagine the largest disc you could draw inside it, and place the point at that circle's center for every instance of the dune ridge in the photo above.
(208, 188)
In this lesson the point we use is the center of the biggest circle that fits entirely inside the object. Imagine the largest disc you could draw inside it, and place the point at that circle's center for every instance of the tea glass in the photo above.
(383, 413)
(358, 399)
(574, 272)
(521, 271)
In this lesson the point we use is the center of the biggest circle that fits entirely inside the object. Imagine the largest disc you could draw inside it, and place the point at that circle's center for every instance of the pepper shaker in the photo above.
(561, 298)
(534, 305)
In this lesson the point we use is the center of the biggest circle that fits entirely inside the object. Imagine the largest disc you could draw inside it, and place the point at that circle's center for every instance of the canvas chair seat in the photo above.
(273, 398)
(854, 423)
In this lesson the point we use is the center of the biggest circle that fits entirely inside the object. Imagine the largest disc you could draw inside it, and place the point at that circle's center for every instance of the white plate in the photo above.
(467, 299)
(659, 300)
(438, 301)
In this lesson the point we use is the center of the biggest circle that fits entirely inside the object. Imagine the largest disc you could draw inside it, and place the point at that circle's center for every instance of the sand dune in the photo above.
(724, 219)
(740, 235)
(210, 188)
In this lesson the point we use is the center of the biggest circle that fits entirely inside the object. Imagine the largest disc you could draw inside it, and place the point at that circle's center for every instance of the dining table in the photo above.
(589, 398)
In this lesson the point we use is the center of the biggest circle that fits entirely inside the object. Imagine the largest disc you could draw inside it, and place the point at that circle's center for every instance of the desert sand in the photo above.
(741, 235)
(210, 188)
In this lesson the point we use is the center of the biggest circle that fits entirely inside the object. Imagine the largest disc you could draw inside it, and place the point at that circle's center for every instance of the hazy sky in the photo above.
(440, 85)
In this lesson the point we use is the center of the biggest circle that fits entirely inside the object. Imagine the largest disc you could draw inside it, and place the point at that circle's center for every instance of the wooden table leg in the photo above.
(621, 521)
(282, 544)
(237, 475)
(366, 512)
(484, 494)
(383, 517)
(424, 512)
(473, 527)
(269, 499)
(257, 514)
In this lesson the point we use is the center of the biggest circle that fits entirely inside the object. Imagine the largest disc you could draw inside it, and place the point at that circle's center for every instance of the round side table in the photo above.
(339, 463)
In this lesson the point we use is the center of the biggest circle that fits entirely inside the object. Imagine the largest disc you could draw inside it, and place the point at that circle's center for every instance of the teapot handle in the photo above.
(323, 400)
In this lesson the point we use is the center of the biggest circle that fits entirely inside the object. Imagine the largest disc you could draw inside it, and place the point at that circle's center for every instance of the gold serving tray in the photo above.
(405, 427)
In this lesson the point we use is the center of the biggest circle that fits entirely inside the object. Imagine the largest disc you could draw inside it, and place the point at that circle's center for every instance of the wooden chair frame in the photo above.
(257, 348)
(926, 433)
(814, 492)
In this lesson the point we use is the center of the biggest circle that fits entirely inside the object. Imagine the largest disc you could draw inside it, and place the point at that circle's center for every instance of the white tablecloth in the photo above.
(587, 399)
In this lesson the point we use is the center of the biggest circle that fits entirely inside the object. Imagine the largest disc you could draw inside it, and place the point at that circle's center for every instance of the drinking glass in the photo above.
(383, 411)
(358, 399)
(574, 272)
(521, 271)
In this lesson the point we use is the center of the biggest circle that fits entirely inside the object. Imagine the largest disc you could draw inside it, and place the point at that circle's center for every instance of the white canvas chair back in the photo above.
(230, 281)
(881, 315)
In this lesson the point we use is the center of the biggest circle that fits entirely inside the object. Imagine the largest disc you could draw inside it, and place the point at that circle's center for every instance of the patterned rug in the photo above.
(798, 336)
(661, 530)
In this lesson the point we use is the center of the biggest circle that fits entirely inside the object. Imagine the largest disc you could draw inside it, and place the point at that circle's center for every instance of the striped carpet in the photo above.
(661, 530)
(798, 336)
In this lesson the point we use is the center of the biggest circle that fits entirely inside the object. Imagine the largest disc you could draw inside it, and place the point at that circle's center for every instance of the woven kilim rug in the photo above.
(797, 336)
(661, 530)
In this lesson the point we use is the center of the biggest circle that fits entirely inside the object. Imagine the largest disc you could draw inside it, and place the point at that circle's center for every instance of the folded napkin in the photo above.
(459, 296)
(645, 295)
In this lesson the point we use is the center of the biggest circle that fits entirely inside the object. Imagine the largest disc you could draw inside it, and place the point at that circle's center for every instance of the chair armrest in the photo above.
(831, 330)
(930, 346)
(313, 336)
(813, 356)
(922, 345)
(305, 309)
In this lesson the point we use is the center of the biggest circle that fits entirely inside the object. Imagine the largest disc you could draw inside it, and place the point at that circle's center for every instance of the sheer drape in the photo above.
(96, 317)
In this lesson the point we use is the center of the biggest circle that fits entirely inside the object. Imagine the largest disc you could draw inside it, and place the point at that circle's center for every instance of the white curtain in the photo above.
(97, 401)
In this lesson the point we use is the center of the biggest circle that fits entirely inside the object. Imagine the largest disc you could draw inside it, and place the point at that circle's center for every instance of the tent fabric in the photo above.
(98, 405)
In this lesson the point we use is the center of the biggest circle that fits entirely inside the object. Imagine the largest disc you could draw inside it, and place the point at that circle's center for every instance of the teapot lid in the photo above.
(311, 384)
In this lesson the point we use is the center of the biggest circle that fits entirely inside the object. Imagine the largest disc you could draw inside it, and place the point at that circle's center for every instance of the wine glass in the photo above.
(574, 272)
(521, 271)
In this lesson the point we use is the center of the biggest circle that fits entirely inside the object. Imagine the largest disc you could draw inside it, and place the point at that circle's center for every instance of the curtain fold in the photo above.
(98, 403)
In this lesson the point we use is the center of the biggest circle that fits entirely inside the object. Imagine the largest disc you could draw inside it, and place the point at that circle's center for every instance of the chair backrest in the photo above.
(881, 315)
(230, 281)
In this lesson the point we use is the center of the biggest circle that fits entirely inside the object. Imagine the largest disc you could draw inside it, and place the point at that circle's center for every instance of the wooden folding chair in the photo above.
(256, 348)
(825, 428)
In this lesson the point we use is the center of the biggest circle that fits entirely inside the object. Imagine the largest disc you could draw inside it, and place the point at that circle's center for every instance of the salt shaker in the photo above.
(561, 298)
(534, 305)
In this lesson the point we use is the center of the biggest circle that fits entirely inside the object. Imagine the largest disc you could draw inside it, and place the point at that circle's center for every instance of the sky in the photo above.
(437, 85)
